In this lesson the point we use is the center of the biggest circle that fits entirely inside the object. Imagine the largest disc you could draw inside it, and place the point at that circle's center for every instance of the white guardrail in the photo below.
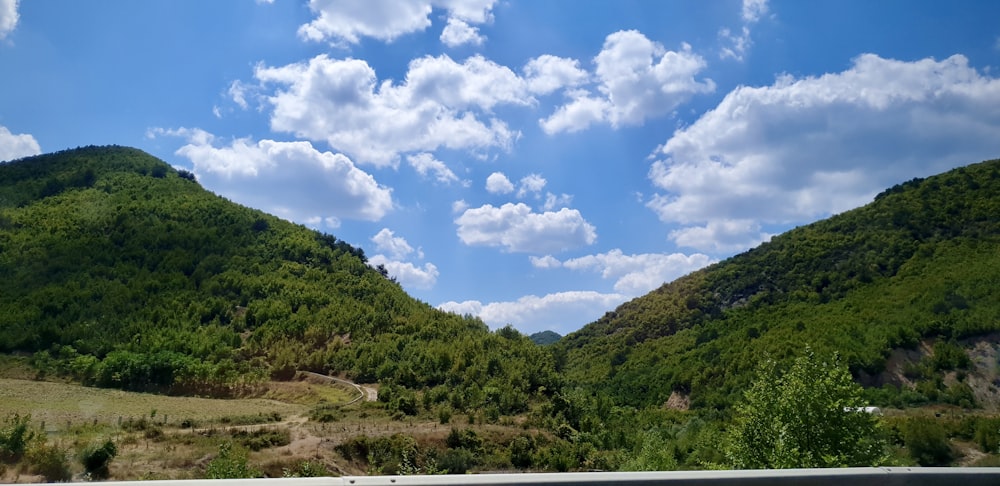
(892, 476)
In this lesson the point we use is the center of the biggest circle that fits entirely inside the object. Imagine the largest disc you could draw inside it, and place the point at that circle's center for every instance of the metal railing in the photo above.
(863, 476)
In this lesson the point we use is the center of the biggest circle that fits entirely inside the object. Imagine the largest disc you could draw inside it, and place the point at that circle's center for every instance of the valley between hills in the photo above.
(145, 316)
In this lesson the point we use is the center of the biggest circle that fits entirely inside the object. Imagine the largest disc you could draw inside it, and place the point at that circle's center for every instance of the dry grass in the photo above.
(62, 404)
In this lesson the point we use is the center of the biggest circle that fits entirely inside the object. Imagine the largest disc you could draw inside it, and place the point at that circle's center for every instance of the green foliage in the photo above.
(653, 453)
(389, 455)
(544, 338)
(260, 439)
(49, 461)
(230, 463)
(16, 434)
(919, 263)
(121, 272)
(927, 442)
(97, 457)
(307, 469)
(806, 417)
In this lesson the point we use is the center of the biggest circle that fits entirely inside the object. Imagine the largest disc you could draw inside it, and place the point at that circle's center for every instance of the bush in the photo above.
(456, 461)
(15, 435)
(97, 458)
(49, 461)
(230, 463)
(927, 442)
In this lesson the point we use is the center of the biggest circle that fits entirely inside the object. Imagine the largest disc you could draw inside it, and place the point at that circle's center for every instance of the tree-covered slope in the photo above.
(921, 261)
(120, 271)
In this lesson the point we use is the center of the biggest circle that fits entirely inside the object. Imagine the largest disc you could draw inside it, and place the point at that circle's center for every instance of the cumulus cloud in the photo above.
(347, 21)
(516, 228)
(425, 163)
(498, 183)
(398, 250)
(16, 146)
(531, 184)
(547, 73)
(8, 17)
(721, 236)
(637, 79)
(553, 201)
(561, 312)
(738, 44)
(635, 275)
(290, 179)
(440, 104)
(805, 148)
(545, 262)
(406, 273)
(395, 246)
(458, 32)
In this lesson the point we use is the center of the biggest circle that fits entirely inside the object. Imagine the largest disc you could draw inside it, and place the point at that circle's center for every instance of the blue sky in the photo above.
(532, 163)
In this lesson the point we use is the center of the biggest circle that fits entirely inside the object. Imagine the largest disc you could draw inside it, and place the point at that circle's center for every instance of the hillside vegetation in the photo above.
(919, 265)
(120, 271)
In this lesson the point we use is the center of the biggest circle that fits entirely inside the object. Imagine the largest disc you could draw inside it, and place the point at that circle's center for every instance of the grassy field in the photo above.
(57, 404)
(161, 437)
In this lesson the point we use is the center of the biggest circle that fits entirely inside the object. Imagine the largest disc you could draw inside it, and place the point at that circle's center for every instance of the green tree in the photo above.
(809, 416)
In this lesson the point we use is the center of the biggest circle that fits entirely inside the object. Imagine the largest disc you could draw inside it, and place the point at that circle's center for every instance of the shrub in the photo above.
(15, 435)
(927, 442)
(49, 461)
(230, 463)
(97, 458)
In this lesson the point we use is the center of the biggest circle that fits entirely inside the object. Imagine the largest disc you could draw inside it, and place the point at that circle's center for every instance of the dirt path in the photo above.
(365, 393)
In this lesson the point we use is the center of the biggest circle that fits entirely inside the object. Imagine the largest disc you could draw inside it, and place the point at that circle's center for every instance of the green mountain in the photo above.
(917, 269)
(120, 271)
(545, 337)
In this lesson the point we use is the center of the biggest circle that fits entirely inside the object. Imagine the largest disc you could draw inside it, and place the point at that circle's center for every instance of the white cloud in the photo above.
(398, 249)
(752, 12)
(290, 179)
(425, 163)
(547, 261)
(347, 21)
(517, 229)
(407, 274)
(561, 312)
(638, 79)
(498, 183)
(440, 104)
(532, 183)
(547, 73)
(238, 93)
(721, 236)
(553, 201)
(459, 206)
(395, 246)
(457, 33)
(582, 111)
(16, 146)
(806, 148)
(636, 275)
(8, 17)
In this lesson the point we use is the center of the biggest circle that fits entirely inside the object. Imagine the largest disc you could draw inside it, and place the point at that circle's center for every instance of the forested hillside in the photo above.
(119, 271)
(920, 264)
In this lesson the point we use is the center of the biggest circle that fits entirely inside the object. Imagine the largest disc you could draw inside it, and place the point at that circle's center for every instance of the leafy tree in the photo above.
(809, 416)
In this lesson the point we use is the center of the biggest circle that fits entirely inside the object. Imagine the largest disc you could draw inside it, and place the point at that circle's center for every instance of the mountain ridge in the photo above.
(785, 290)
(124, 272)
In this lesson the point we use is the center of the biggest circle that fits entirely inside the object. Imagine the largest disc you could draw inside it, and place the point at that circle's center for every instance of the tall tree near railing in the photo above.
(810, 416)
